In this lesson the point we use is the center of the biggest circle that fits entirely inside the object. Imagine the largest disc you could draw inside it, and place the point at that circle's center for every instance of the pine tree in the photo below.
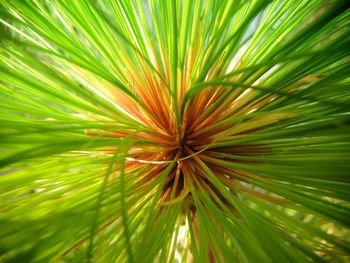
(174, 131)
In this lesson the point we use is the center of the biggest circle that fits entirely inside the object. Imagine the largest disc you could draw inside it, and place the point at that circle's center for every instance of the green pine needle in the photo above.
(174, 131)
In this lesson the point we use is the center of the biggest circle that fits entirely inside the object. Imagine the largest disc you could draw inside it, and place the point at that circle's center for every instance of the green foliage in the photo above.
(174, 131)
